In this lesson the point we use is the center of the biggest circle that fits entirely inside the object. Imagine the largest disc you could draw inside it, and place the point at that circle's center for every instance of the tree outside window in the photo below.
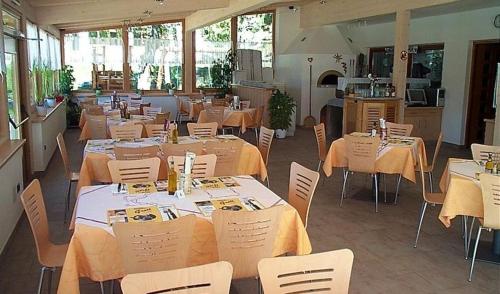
(255, 31)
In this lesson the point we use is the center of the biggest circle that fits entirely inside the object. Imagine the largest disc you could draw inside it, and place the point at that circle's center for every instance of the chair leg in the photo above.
(385, 188)
(256, 136)
(431, 188)
(40, 282)
(474, 253)
(346, 174)
(259, 285)
(397, 189)
(51, 271)
(267, 179)
(376, 192)
(68, 198)
(112, 286)
(465, 218)
(319, 165)
(422, 213)
(470, 237)
(102, 287)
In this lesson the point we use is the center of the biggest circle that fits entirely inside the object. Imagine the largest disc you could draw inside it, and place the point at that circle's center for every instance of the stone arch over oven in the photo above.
(329, 79)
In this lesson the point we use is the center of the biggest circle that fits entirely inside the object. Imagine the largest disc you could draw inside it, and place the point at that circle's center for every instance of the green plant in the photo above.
(66, 80)
(170, 86)
(72, 113)
(36, 84)
(222, 72)
(281, 108)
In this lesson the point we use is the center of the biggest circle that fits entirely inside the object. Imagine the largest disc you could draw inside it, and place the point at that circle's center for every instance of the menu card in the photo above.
(142, 214)
(207, 207)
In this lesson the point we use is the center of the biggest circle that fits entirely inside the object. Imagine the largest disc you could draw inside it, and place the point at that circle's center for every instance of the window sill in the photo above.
(8, 149)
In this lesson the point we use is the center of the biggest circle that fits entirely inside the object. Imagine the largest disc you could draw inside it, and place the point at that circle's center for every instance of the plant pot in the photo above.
(280, 133)
(41, 110)
(171, 92)
(51, 102)
(98, 92)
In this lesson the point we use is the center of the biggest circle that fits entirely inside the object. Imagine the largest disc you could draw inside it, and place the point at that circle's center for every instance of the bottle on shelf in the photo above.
(387, 92)
(488, 167)
(172, 178)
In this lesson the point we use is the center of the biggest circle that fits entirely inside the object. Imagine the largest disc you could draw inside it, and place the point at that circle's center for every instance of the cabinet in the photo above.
(361, 113)
(426, 121)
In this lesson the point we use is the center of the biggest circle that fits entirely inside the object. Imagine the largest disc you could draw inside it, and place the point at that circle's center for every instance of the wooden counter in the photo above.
(426, 121)
(361, 113)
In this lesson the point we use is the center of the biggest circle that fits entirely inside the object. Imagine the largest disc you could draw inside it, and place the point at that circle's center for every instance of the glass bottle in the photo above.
(489, 164)
(374, 129)
(172, 178)
(175, 134)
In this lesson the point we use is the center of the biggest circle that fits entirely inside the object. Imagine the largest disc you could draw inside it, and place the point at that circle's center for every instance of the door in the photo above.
(483, 73)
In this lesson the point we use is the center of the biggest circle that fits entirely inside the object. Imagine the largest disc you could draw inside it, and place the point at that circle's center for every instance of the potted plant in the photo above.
(281, 109)
(222, 73)
(37, 86)
(171, 88)
(66, 83)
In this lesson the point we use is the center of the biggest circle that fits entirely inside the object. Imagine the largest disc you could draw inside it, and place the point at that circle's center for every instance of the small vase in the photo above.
(171, 92)
(41, 110)
(280, 133)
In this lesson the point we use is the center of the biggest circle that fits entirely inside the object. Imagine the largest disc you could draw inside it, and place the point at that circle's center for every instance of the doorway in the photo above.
(485, 57)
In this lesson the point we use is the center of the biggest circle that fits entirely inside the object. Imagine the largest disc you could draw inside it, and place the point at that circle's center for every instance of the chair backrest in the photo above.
(490, 185)
(161, 117)
(202, 279)
(169, 149)
(301, 189)
(134, 153)
(141, 107)
(155, 246)
(245, 104)
(156, 130)
(228, 156)
(481, 152)
(64, 155)
(245, 237)
(319, 131)
(128, 131)
(202, 129)
(218, 102)
(151, 111)
(134, 171)
(34, 206)
(215, 114)
(394, 129)
(265, 139)
(436, 150)
(97, 125)
(257, 119)
(93, 109)
(362, 153)
(327, 272)
(422, 177)
(203, 167)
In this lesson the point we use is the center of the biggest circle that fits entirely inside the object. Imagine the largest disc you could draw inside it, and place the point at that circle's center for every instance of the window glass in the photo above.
(33, 49)
(156, 56)
(44, 48)
(382, 61)
(212, 43)
(255, 31)
(428, 63)
(96, 57)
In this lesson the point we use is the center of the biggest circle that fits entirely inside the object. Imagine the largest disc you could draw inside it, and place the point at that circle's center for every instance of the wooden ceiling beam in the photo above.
(315, 14)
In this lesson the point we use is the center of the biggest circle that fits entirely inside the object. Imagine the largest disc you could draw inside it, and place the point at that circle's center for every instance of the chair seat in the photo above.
(54, 255)
(74, 176)
(435, 198)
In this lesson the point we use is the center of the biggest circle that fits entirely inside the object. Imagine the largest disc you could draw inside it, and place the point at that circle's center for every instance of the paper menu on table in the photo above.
(134, 188)
(215, 183)
(142, 214)
(206, 207)
(228, 204)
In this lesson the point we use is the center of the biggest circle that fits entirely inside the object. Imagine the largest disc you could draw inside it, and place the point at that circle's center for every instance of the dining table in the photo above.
(93, 250)
(194, 107)
(238, 118)
(97, 153)
(463, 197)
(117, 121)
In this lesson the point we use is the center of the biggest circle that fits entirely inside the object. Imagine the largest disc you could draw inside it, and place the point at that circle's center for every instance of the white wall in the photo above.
(456, 31)
(11, 175)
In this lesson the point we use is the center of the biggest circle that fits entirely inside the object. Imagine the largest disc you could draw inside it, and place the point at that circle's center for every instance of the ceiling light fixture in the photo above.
(322, 2)
(161, 2)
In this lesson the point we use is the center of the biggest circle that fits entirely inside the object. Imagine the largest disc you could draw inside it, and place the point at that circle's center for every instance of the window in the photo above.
(33, 49)
(96, 57)
(255, 31)
(156, 56)
(212, 43)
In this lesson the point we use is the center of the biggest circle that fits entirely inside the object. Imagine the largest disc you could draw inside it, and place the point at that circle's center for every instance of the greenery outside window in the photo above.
(255, 31)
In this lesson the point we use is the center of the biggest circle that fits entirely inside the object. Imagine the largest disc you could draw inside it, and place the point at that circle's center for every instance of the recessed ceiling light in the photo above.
(161, 2)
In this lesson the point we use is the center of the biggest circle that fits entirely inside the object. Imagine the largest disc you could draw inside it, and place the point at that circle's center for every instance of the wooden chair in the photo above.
(151, 111)
(237, 242)
(127, 132)
(50, 255)
(265, 139)
(70, 175)
(361, 156)
(161, 117)
(97, 126)
(481, 152)
(207, 278)
(156, 130)
(141, 107)
(245, 104)
(228, 156)
(155, 246)
(257, 121)
(134, 171)
(394, 129)
(327, 272)
(203, 167)
(429, 198)
(92, 109)
(202, 129)
(181, 112)
(219, 102)
(429, 168)
(301, 189)
(490, 186)
(135, 153)
(169, 149)
(319, 131)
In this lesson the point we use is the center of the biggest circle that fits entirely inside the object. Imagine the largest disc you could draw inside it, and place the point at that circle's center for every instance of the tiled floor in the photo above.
(385, 260)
